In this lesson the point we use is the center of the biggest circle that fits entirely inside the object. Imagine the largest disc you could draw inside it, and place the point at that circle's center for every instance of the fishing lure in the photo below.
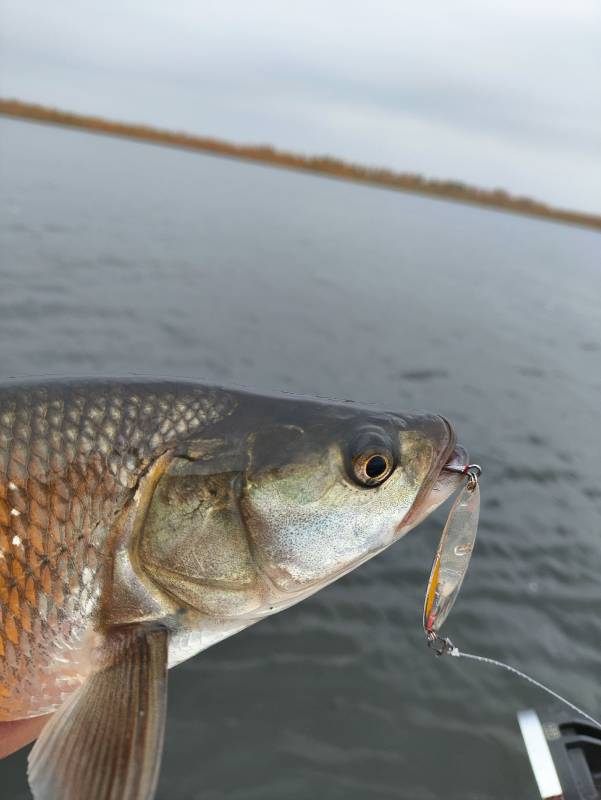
(452, 557)
(448, 571)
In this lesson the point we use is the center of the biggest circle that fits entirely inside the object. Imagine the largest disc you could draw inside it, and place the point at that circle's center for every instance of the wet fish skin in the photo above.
(143, 521)
(71, 454)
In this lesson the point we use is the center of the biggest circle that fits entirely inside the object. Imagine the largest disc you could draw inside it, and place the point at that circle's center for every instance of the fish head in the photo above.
(321, 497)
(286, 496)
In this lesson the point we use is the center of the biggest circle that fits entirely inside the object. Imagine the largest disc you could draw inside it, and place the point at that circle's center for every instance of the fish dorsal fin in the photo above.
(105, 742)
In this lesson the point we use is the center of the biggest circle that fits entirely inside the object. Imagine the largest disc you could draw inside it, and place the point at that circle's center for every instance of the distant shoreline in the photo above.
(322, 165)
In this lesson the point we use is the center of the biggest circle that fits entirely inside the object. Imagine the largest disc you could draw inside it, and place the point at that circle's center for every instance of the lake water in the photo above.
(119, 257)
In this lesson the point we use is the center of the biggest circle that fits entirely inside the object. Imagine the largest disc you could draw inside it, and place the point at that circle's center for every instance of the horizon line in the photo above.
(330, 166)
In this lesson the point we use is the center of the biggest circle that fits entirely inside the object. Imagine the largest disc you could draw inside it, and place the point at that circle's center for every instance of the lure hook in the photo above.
(472, 471)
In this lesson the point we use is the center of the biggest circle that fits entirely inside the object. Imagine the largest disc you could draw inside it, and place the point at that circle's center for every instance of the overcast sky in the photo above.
(501, 94)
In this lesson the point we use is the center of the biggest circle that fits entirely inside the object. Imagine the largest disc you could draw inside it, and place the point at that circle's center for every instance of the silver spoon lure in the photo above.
(452, 557)
(448, 571)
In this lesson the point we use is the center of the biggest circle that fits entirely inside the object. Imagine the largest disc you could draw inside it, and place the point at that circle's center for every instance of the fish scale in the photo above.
(71, 455)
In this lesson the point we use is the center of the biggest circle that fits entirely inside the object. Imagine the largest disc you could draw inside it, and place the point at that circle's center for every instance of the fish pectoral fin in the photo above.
(105, 742)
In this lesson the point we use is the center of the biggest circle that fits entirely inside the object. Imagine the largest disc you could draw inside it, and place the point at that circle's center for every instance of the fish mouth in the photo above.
(440, 483)
(459, 458)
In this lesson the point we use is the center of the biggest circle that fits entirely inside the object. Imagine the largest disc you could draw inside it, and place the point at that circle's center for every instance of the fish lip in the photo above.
(459, 457)
(446, 457)
(449, 454)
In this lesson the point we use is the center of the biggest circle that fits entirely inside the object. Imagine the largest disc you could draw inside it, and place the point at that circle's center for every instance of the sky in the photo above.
(495, 94)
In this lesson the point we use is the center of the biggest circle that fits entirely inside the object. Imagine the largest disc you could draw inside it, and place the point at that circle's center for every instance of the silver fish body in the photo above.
(143, 521)
(71, 457)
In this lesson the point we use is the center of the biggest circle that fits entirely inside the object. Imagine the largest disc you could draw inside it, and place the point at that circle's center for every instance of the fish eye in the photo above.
(376, 466)
(373, 467)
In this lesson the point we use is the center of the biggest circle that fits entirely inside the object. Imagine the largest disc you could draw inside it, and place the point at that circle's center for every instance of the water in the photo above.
(120, 257)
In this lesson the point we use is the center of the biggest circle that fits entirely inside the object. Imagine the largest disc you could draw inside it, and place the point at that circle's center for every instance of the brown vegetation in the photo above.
(324, 165)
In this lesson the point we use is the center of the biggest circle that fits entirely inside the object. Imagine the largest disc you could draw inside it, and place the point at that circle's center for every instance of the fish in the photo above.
(145, 520)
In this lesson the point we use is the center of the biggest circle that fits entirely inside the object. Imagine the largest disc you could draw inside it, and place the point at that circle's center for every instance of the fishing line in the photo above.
(484, 660)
